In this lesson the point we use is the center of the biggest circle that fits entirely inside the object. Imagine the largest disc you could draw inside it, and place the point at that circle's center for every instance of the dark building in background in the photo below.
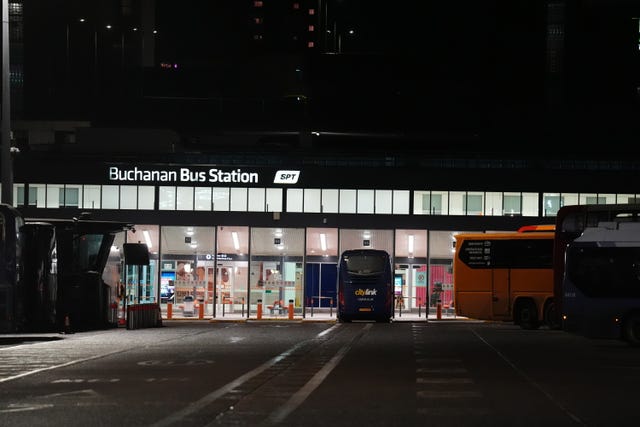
(493, 69)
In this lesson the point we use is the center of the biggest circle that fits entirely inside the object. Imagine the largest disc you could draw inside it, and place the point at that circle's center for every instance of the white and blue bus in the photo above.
(601, 286)
(365, 286)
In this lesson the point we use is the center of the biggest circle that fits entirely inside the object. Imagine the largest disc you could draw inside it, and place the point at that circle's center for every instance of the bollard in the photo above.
(259, 310)
(290, 309)
(439, 310)
(67, 325)
(121, 314)
(201, 310)
(169, 311)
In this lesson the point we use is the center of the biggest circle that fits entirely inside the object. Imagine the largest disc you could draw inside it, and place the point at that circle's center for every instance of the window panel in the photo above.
(421, 202)
(569, 199)
(72, 195)
(312, 200)
(274, 200)
(238, 199)
(627, 198)
(128, 197)
(257, 200)
(295, 197)
(202, 198)
(588, 199)
(146, 197)
(348, 201)
(54, 191)
(91, 197)
(221, 198)
(110, 197)
(384, 202)
(530, 204)
(366, 201)
(167, 198)
(474, 203)
(184, 198)
(330, 200)
(401, 199)
(18, 195)
(512, 204)
(439, 203)
(494, 203)
(456, 202)
(551, 202)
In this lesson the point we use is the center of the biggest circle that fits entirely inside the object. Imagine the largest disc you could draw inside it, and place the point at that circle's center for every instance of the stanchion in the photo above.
(439, 310)
(201, 310)
(259, 310)
(67, 325)
(169, 311)
(121, 314)
(290, 309)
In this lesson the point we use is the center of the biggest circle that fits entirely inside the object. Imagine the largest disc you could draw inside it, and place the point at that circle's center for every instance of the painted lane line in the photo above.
(179, 416)
(301, 395)
(62, 365)
(444, 381)
(530, 380)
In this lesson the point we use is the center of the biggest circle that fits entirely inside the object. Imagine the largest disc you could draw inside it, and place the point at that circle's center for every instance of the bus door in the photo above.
(500, 289)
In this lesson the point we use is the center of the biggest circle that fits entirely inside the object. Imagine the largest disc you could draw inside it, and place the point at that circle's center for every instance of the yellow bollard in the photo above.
(290, 310)
(169, 311)
(259, 313)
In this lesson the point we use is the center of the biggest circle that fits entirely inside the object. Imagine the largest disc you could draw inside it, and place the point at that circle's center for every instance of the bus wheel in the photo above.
(551, 316)
(632, 330)
(527, 315)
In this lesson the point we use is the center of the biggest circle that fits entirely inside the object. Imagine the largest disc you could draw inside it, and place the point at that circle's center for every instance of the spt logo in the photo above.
(286, 177)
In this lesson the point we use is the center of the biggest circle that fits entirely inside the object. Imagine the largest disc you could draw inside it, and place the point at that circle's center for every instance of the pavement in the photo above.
(316, 316)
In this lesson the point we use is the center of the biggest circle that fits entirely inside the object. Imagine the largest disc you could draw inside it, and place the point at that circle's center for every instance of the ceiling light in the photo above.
(410, 244)
(147, 238)
(236, 241)
(323, 241)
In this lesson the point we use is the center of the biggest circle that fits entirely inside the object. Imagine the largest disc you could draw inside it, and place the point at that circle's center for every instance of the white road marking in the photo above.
(179, 416)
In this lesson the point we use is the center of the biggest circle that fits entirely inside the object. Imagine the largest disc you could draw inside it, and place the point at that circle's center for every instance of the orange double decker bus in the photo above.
(504, 276)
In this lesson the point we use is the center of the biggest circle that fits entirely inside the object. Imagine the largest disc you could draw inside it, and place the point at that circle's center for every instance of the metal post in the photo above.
(5, 154)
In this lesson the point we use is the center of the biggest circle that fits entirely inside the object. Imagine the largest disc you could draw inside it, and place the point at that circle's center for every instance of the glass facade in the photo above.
(219, 271)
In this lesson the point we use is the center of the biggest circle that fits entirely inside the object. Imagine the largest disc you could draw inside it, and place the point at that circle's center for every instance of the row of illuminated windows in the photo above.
(305, 200)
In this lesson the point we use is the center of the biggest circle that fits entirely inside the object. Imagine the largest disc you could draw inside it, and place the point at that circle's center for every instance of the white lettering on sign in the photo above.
(286, 177)
(182, 175)
(135, 174)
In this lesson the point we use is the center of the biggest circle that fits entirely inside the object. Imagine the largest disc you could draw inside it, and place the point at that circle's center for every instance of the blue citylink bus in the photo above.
(365, 286)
